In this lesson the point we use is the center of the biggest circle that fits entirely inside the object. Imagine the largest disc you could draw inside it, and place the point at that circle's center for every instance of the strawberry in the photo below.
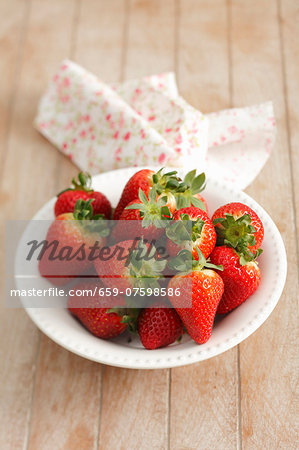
(68, 239)
(81, 189)
(150, 215)
(140, 180)
(240, 281)
(126, 230)
(66, 201)
(145, 179)
(202, 235)
(240, 227)
(95, 312)
(159, 326)
(195, 295)
(101, 204)
(130, 264)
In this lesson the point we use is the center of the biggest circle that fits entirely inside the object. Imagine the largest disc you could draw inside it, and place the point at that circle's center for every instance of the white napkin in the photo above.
(146, 122)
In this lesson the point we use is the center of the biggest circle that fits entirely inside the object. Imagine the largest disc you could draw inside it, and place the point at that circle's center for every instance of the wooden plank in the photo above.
(289, 16)
(267, 358)
(66, 400)
(13, 24)
(100, 38)
(134, 409)
(135, 403)
(150, 37)
(203, 403)
(203, 54)
(18, 346)
(204, 396)
(18, 336)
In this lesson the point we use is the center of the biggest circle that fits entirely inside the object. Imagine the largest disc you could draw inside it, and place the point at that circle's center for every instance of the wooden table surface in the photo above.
(224, 53)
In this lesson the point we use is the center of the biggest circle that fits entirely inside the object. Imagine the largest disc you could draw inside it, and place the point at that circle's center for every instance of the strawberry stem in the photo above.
(237, 233)
(153, 211)
(185, 262)
(83, 184)
(83, 210)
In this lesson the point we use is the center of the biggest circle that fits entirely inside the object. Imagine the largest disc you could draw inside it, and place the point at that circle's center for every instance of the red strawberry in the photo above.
(126, 229)
(159, 327)
(149, 213)
(202, 235)
(66, 201)
(101, 204)
(140, 180)
(240, 281)
(69, 238)
(239, 226)
(82, 190)
(195, 296)
(130, 264)
(145, 179)
(94, 311)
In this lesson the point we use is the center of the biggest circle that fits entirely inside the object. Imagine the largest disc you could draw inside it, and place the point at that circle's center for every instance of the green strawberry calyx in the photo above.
(185, 193)
(153, 210)
(165, 182)
(237, 233)
(185, 230)
(129, 315)
(145, 269)
(83, 212)
(185, 262)
(82, 184)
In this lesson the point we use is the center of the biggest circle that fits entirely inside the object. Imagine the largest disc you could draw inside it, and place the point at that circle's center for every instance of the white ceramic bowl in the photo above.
(61, 327)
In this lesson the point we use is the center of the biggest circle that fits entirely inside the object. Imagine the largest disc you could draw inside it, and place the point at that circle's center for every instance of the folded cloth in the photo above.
(145, 122)
(240, 142)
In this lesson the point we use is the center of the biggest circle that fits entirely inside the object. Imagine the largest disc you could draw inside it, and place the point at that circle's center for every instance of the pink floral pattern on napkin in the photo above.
(240, 142)
(146, 122)
(99, 130)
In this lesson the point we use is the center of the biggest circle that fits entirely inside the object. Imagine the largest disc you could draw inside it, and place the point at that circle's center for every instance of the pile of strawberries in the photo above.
(210, 263)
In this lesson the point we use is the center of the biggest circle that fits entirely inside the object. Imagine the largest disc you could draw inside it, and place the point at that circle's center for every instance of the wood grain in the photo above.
(18, 335)
(203, 66)
(66, 400)
(100, 38)
(204, 396)
(288, 11)
(267, 358)
(224, 52)
(150, 38)
(14, 20)
(134, 409)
